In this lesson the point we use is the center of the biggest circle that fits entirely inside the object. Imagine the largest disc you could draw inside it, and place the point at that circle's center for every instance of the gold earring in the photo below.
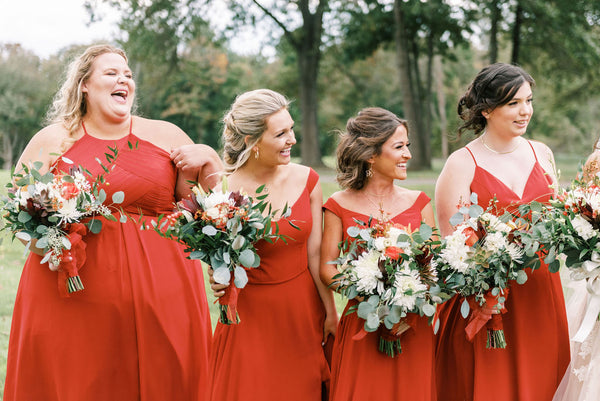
(256, 153)
(369, 172)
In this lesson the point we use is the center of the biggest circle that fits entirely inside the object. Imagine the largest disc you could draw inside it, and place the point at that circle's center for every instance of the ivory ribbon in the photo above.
(592, 277)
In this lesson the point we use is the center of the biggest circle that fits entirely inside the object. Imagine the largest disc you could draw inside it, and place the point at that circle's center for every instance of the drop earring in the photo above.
(256, 153)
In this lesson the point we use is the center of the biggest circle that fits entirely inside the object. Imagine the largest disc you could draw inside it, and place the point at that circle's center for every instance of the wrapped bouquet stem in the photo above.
(488, 315)
(71, 260)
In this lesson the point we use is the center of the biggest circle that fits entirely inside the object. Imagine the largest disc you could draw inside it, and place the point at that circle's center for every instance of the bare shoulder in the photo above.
(540, 148)
(298, 173)
(45, 145)
(460, 159)
(410, 195)
(161, 133)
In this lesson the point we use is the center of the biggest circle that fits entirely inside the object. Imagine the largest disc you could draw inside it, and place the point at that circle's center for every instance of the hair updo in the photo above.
(494, 86)
(365, 135)
(247, 118)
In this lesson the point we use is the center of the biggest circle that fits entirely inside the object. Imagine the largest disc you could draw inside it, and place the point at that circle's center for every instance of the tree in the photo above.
(306, 40)
(26, 89)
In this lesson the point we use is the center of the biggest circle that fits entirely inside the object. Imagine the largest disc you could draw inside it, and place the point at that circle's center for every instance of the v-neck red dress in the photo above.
(275, 352)
(140, 330)
(359, 371)
(531, 366)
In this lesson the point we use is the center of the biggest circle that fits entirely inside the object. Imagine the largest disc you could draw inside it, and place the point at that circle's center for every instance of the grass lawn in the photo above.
(12, 257)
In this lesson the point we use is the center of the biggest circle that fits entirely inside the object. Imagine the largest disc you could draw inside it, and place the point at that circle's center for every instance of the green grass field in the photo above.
(12, 256)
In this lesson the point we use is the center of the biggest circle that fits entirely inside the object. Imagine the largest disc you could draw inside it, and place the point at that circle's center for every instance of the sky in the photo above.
(46, 26)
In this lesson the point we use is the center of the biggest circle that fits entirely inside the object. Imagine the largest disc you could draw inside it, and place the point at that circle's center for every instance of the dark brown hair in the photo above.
(494, 86)
(365, 135)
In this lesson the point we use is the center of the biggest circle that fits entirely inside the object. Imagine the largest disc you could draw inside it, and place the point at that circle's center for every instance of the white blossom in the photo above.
(583, 227)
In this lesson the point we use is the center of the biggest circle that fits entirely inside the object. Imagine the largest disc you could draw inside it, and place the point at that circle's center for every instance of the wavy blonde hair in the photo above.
(247, 118)
(69, 105)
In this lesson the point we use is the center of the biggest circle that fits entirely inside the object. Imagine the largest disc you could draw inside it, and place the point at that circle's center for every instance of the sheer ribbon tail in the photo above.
(228, 313)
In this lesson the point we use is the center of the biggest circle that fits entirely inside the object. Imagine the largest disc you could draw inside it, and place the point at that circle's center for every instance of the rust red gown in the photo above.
(531, 366)
(140, 330)
(275, 352)
(359, 371)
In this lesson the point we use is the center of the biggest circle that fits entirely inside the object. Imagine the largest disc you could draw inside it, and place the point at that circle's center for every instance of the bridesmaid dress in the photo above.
(531, 366)
(360, 372)
(275, 352)
(140, 330)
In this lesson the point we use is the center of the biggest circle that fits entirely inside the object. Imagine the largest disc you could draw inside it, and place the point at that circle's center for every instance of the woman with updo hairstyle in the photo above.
(140, 328)
(504, 168)
(286, 314)
(372, 153)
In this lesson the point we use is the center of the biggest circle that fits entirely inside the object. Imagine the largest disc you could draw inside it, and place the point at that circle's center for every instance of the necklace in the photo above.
(496, 151)
(378, 206)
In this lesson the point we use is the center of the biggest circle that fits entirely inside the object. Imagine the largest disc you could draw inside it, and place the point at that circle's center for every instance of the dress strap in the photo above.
(312, 180)
(334, 207)
(421, 201)
(472, 155)
(532, 149)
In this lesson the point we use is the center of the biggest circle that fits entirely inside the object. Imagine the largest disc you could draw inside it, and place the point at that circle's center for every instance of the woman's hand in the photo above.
(330, 326)
(201, 160)
(218, 289)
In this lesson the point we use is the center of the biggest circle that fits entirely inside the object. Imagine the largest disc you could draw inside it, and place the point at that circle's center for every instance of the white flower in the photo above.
(583, 227)
(380, 243)
(366, 270)
(494, 242)
(408, 287)
(213, 199)
(456, 252)
(515, 252)
(68, 212)
(213, 212)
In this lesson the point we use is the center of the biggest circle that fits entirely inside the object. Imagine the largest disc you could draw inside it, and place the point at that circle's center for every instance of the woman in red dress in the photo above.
(500, 164)
(275, 352)
(373, 152)
(140, 329)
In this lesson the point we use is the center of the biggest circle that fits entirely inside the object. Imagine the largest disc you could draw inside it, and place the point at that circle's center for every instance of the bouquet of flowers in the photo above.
(221, 229)
(477, 261)
(568, 230)
(387, 266)
(56, 209)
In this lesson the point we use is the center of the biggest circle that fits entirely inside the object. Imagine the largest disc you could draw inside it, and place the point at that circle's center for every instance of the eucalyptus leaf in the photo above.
(426, 231)
(364, 309)
(241, 278)
(247, 258)
(23, 217)
(66, 243)
(42, 242)
(474, 198)
(95, 226)
(22, 235)
(428, 309)
(353, 231)
(238, 242)
(118, 197)
(222, 275)
(456, 219)
(475, 211)
(372, 322)
(101, 196)
(209, 230)
(465, 309)
(521, 277)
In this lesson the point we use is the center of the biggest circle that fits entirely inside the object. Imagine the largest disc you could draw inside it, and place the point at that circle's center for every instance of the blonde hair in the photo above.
(364, 137)
(247, 118)
(69, 106)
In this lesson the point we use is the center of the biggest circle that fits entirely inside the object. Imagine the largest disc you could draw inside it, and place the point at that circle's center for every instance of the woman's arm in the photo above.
(314, 252)
(198, 163)
(453, 188)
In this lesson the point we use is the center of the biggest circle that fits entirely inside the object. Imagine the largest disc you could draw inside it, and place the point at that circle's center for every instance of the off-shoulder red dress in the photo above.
(275, 352)
(359, 371)
(140, 330)
(531, 366)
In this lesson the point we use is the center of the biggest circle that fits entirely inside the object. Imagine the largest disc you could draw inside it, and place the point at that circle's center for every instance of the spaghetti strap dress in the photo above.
(274, 353)
(532, 364)
(359, 371)
(140, 330)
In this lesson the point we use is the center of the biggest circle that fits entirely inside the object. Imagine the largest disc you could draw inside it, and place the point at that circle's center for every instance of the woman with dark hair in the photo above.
(140, 330)
(503, 166)
(372, 153)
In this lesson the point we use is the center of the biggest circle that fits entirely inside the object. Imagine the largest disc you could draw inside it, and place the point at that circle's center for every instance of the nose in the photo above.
(406, 153)
(122, 78)
(292, 138)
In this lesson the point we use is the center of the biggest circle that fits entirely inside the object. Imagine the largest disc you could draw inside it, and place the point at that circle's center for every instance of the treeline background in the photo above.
(332, 58)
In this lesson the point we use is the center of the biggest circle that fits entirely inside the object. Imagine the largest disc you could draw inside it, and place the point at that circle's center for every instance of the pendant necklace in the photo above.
(496, 151)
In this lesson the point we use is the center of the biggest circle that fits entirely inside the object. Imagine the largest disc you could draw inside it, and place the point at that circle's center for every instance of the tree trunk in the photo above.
(441, 102)
(7, 151)
(410, 95)
(517, 33)
(308, 66)
(495, 21)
